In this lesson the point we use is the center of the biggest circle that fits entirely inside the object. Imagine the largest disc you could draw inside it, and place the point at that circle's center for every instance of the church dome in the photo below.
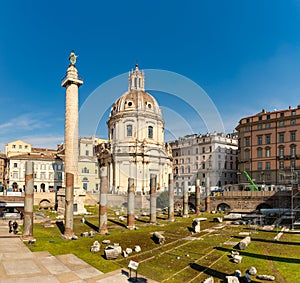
(136, 98)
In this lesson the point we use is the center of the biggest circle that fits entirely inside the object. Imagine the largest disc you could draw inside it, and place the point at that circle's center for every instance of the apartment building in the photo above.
(48, 167)
(210, 156)
(269, 148)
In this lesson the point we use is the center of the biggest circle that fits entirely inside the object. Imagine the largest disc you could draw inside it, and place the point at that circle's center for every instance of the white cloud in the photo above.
(25, 122)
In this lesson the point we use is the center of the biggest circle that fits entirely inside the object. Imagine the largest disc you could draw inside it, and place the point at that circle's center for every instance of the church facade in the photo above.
(136, 146)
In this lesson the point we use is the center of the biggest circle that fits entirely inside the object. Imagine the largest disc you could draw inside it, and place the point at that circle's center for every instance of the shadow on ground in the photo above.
(262, 256)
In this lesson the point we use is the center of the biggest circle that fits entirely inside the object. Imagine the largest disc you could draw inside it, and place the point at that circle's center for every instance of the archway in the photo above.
(45, 204)
(263, 206)
(43, 187)
(223, 207)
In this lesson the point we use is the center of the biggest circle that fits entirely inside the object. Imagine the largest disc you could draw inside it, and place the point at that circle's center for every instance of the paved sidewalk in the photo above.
(19, 265)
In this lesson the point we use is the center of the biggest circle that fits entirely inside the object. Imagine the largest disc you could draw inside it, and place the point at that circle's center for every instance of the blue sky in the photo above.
(244, 54)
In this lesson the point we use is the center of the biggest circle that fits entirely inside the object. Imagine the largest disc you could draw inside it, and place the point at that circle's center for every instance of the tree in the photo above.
(162, 200)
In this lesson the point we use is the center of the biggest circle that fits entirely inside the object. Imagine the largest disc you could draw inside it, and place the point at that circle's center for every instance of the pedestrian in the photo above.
(10, 226)
(15, 227)
(21, 215)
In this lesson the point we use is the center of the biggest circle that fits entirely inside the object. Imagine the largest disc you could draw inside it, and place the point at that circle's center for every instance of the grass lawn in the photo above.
(181, 258)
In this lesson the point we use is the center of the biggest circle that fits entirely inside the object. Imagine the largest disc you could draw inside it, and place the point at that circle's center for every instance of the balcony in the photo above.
(288, 157)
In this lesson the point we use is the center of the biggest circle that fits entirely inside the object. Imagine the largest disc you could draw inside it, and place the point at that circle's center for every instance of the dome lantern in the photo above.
(136, 80)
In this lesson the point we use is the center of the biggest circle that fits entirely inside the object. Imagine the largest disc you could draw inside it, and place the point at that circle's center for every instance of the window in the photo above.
(259, 152)
(43, 166)
(43, 175)
(293, 122)
(196, 150)
(203, 149)
(247, 154)
(15, 175)
(293, 136)
(259, 140)
(293, 151)
(85, 170)
(196, 166)
(13, 146)
(260, 118)
(188, 160)
(281, 165)
(281, 151)
(15, 165)
(210, 149)
(188, 170)
(268, 117)
(182, 170)
(182, 161)
(129, 130)
(292, 164)
(281, 123)
(189, 152)
(268, 139)
(268, 126)
(259, 127)
(281, 137)
(112, 134)
(26, 146)
(294, 113)
(150, 132)
(268, 167)
(259, 165)
(87, 153)
(268, 152)
(20, 146)
(247, 141)
(203, 165)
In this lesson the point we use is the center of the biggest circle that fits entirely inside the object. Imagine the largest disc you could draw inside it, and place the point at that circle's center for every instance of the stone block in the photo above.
(232, 279)
(237, 259)
(252, 270)
(137, 249)
(266, 277)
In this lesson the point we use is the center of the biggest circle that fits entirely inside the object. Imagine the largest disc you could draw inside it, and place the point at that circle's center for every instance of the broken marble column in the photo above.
(171, 198)
(244, 243)
(158, 238)
(207, 199)
(197, 197)
(69, 206)
(196, 225)
(130, 210)
(103, 201)
(152, 198)
(28, 202)
(185, 199)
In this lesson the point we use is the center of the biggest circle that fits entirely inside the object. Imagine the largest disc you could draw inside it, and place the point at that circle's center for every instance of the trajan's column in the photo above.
(71, 82)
